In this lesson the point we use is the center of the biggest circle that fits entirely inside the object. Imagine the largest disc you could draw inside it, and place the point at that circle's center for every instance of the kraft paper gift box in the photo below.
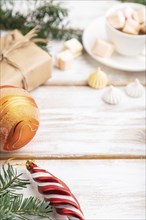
(22, 62)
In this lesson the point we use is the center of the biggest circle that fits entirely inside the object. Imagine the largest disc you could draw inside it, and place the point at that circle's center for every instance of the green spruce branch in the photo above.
(16, 207)
(10, 180)
(136, 1)
(12, 204)
(51, 17)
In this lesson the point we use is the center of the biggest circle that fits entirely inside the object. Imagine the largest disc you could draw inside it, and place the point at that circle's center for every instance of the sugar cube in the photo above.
(131, 27)
(64, 60)
(139, 15)
(74, 46)
(102, 48)
(117, 20)
(128, 12)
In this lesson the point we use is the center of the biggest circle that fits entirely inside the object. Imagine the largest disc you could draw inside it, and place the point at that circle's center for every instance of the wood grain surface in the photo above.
(75, 122)
(83, 66)
(106, 189)
(96, 148)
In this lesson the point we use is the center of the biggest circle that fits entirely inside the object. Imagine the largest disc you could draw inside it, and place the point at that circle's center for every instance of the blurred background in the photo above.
(56, 19)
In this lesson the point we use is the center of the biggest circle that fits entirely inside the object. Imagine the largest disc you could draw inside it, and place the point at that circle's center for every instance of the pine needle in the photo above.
(10, 180)
(13, 206)
(136, 1)
(50, 16)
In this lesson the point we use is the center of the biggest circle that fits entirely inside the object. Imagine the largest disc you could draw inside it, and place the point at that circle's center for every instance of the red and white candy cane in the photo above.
(56, 192)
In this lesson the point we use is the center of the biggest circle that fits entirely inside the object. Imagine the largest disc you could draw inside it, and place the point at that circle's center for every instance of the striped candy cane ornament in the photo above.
(56, 192)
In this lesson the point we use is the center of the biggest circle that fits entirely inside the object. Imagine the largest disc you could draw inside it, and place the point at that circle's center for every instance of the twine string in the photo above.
(8, 161)
(20, 44)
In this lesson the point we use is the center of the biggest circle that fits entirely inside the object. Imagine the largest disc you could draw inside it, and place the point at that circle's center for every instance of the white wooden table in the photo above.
(97, 149)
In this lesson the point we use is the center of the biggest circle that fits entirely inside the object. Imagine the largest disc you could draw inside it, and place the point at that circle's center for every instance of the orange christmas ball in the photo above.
(19, 118)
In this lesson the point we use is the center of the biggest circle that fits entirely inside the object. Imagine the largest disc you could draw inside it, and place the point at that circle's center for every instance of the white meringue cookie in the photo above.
(112, 96)
(135, 89)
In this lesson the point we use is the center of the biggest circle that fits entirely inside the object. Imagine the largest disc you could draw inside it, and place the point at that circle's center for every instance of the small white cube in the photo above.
(117, 20)
(102, 48)
(74, 46)
(140, 15)
(128, 12)
(131, 27)
(64, 60)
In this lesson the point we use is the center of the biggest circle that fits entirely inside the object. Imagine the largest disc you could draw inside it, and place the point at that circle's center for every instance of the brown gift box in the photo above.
(27, 66)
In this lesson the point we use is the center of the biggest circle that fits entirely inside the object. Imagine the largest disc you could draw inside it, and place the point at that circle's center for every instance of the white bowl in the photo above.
(125, 44)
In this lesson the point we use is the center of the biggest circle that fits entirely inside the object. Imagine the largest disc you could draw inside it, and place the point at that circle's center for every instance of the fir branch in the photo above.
(10, 180)
(68, 33)
(12, 205)
(136, 1)
(50, 16)
(15, 207)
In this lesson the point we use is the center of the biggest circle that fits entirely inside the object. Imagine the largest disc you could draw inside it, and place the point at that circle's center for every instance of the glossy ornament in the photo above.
(19, 118)
(98, 79)
(112, 96)
(56, 192)
(135, 89)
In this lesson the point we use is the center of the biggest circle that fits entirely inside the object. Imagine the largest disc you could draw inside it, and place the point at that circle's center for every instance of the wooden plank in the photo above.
(106, 189)
(83, 66)
(75, 122)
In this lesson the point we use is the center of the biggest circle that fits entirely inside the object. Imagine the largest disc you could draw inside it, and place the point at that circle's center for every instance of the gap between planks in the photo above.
(74, 157)
(84, 83)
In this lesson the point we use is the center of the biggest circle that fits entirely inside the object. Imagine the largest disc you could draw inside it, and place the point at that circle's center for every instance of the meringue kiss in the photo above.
(135, 89)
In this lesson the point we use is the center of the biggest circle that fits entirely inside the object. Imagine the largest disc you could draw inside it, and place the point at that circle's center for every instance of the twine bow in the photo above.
(19, 44)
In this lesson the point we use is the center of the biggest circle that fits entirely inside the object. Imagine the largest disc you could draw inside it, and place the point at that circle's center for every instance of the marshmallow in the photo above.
(143, 29)
(131, 27)
(128, 12)
(64, 60)
(74, 46)
(117, 20)
(139, 15)
(102, 48)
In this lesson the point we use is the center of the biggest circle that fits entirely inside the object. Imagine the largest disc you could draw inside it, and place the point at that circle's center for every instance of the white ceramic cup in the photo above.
(125, 44)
